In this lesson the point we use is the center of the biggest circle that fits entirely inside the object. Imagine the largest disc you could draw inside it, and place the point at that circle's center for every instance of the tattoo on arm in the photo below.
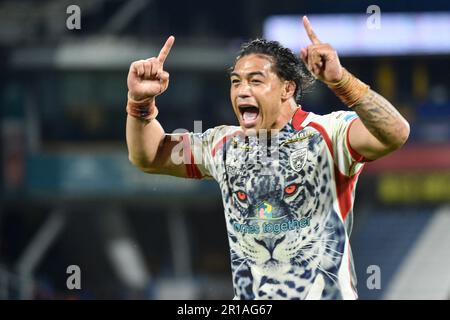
(380, 117)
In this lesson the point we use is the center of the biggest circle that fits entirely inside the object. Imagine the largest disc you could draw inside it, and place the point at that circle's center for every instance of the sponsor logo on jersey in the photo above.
(265, 210)
(301, 136)
(350, 116)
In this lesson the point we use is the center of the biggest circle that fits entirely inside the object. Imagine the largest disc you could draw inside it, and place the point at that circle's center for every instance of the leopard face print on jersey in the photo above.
(286, 240)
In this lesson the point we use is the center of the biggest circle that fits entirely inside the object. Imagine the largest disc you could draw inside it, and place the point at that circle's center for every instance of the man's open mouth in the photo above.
(249, 114)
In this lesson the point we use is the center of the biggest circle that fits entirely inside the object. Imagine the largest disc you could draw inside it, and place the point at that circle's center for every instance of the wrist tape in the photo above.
(349, 89)
(142, 109)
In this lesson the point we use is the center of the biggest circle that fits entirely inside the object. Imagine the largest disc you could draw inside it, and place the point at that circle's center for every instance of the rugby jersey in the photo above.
(288, 204)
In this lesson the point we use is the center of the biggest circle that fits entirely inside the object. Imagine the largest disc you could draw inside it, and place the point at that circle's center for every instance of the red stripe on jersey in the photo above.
(355, 155)
(344, 189)
(192, 170)
(221, 142)
(298, 118)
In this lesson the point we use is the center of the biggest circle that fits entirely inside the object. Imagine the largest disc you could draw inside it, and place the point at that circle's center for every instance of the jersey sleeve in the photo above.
(348, 160)
(198, 152)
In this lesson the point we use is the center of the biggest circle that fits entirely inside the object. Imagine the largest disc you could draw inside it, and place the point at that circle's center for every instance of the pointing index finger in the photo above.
(309, 30)
(166, 49)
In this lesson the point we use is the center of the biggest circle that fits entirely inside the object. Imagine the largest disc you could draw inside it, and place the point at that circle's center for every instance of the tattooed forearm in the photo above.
(381, 118)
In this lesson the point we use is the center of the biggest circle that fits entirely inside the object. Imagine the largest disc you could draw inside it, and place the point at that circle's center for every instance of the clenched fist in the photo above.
(321, 58)
(147, 78)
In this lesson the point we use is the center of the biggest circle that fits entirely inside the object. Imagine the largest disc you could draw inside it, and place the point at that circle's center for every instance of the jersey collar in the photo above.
(299, 119)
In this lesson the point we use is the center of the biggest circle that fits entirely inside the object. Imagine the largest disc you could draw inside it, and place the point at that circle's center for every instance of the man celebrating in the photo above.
(288, 201)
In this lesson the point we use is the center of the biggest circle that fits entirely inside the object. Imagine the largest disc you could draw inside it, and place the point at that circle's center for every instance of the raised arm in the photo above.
(380, 128)
(149, 147)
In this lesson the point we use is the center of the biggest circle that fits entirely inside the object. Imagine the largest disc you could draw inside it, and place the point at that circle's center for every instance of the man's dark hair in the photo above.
(286, 65)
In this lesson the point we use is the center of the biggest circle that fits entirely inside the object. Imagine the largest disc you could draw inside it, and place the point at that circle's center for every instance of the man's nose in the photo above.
(244, 91)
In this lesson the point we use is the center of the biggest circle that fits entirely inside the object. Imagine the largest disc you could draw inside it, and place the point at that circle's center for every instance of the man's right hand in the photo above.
(147, 78)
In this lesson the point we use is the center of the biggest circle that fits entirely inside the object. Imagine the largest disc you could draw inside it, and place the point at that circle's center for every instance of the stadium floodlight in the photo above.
(351, 35)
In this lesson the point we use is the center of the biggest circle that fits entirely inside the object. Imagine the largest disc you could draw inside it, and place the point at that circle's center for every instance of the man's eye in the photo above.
(256, 81)
(235, 81)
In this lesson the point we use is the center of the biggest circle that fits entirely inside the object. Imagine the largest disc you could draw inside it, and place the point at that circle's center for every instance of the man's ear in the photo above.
(288, 90)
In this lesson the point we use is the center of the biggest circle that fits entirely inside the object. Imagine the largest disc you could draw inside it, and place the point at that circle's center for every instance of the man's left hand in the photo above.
(321, 58)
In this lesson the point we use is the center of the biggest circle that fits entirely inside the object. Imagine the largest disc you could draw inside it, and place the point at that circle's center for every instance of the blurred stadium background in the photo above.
(70, 197)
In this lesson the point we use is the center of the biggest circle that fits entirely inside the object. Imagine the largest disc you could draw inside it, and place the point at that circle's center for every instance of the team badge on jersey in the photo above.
(297, 159)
